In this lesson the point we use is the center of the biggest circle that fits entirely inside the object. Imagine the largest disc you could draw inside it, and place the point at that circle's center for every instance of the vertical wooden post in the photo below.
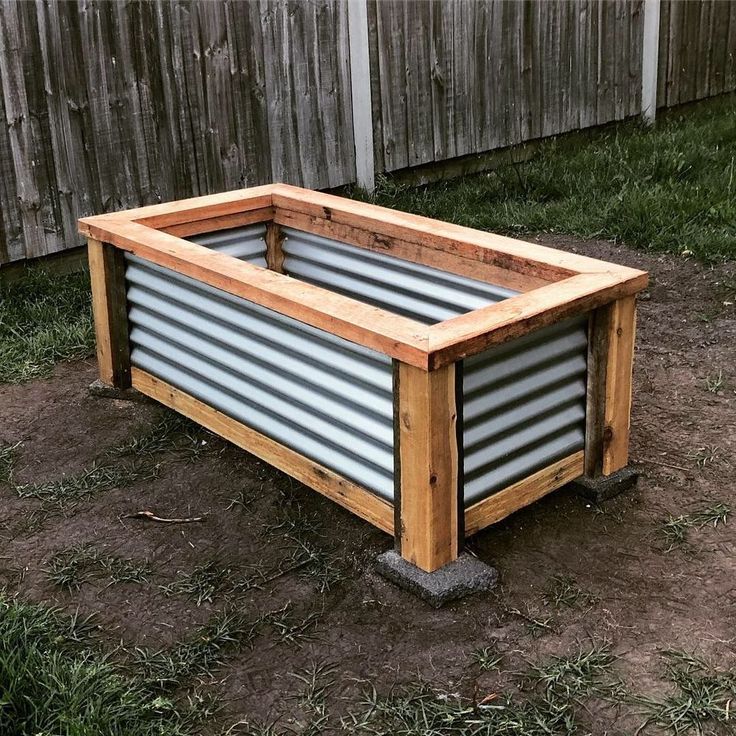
(274, 250)
(650, 61)
(107, 273)
(610, 362)
(428, 520)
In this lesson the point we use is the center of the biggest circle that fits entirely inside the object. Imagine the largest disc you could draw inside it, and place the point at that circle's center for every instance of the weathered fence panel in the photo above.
(461, 77)
(697, 50)
(110, 105)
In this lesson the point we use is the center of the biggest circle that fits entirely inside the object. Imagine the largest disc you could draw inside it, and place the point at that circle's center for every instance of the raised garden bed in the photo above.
(430, 378)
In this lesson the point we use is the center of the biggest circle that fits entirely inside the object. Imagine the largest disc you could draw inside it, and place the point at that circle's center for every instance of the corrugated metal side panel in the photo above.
(244, 243)
(313, 392)
(523, 407)
(420, 292)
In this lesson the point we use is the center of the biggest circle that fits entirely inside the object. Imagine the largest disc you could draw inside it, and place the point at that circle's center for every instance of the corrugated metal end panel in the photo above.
(420, 292)
(524, 407)
(320, 395)
(244, 243)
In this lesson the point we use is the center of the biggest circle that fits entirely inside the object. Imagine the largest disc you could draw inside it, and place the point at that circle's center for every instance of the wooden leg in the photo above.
(428, 520)
(610, 363)
(274, 250)
(107, 272)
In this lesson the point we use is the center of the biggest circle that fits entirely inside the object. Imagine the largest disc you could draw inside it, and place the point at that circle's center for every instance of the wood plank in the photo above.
(621, 337)
(391, 334)
(532, 259)
(187, 210)
(471, 333)
(223, 222)
(348, 494)
(598, 325)
(522, 493)
(409, 251)
(107, 273)
(274, 249)
(428, 450)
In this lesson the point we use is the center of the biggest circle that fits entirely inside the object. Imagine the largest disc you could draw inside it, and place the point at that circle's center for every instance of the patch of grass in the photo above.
(89, 482)
(702, 697)
(536, 624)
(564, 591)
(210, 580)
(675, 528)
(706, 455)
(72, 567)
(54, 680)
(487, 658)
(7, 462)
(671, 188)
(171, 432)
(559, 689)
(714, 383)
(44, 318)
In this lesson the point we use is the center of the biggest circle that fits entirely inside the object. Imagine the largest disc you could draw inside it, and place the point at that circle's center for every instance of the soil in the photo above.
(644, 598)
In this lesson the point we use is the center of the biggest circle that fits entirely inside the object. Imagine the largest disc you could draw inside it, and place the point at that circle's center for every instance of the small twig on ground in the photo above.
(152, 517)
(665, 465)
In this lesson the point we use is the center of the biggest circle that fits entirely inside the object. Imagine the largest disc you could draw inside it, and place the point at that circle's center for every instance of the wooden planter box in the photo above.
(428, 377)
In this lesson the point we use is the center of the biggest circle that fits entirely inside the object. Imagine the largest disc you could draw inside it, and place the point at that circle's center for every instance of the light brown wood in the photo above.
(531, 259)
(349, 495)
(596, 389)
(428, 485)
(480, 329)
(223, 222)
(391, 334)
(274, 250)
(500, 505)
(187, 210)
(617, 415)
(107, 274)
(409, 251)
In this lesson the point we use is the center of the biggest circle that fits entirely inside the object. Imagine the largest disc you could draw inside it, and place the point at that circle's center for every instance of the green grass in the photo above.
(670, 189)
(72, 567)
(43, 319)
(55, 680)
(675, 528)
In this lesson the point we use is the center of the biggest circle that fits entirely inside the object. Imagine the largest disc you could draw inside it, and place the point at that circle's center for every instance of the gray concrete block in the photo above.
(605, 486)
(464, 576)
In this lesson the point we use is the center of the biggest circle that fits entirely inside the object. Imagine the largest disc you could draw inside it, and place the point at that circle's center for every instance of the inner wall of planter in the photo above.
(332, 400)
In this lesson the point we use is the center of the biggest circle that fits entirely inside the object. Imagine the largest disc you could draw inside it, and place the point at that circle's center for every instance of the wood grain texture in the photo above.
(388, 333)
(107, 274)
(428, 451)
(164, 100)
(471, 333)
(349, 495)
(621, 338)
(522, 493)
(612, 334)
(274, 249)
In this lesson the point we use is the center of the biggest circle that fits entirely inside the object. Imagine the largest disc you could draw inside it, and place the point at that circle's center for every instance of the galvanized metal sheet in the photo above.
(523, 407)
(245, 243)
(318, 394)
(420, 292)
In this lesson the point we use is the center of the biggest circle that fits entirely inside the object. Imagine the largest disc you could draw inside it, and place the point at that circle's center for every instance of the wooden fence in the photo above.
(110, 105)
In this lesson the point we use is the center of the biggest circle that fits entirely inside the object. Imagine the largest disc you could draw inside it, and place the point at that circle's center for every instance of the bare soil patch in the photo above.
(570, 573)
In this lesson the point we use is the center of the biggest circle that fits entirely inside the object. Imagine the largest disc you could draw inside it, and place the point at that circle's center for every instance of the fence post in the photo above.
(360, 92)
(650, 61)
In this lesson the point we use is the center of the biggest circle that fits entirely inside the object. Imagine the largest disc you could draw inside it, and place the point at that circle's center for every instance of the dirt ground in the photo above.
(634, 593)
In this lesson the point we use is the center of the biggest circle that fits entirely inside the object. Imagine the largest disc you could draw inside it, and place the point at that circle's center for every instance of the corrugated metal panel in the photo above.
(523, 407)
(420, 292)
(318, 394)
(244, 243)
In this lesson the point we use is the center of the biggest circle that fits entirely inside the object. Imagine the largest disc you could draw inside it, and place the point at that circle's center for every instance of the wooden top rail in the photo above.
(556, 284)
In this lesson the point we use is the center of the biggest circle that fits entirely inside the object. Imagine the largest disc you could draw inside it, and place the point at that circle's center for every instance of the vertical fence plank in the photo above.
(650, 61)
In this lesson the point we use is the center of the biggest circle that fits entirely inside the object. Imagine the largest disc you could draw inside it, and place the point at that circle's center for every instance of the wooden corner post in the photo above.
(427, 526)
(610, 363)
(107, 273)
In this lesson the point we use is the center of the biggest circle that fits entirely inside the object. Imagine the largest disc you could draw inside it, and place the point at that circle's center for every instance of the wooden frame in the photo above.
(554, 285)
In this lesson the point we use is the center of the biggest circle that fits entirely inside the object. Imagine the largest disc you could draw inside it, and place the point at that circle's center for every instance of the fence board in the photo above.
(112, 105)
